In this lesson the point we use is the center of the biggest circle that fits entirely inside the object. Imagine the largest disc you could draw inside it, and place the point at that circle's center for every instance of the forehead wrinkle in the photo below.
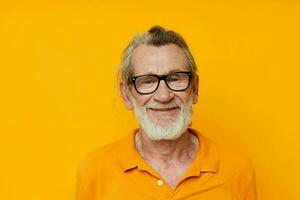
(158, 60)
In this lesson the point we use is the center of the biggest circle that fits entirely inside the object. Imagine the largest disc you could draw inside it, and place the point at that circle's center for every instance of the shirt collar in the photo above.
(207, 159)
(128, 155)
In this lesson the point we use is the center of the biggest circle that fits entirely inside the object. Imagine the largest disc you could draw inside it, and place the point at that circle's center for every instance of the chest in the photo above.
(136, 185)
(171, 172)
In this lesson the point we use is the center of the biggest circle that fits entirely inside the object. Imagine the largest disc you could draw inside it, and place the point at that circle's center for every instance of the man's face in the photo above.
(166, 112)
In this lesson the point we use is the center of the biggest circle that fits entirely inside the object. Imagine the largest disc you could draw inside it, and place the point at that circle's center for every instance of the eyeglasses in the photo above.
(148, 84)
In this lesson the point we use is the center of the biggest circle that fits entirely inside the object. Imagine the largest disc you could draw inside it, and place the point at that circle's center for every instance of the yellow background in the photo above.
(59, 98)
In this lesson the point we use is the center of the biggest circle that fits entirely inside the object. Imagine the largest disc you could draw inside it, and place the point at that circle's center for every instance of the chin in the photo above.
(163, 122)
(164, 130)
(158, 136)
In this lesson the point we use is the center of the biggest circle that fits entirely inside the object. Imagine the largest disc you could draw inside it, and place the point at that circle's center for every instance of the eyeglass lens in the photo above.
(149, 83)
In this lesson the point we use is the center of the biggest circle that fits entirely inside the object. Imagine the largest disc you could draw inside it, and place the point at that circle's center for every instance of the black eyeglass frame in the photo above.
(162, 77)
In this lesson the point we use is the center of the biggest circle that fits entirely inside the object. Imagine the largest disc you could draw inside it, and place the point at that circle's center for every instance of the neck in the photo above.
(182, 148)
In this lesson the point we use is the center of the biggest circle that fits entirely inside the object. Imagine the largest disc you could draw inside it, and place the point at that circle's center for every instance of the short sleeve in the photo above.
(85, 179)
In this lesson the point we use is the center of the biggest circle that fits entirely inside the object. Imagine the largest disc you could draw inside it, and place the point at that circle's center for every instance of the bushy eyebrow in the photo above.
(170, 72)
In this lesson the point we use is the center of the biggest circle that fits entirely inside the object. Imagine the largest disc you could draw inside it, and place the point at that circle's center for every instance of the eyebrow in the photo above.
(172, 71)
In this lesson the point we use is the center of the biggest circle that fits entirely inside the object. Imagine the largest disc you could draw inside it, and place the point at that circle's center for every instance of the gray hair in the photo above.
(156, 36)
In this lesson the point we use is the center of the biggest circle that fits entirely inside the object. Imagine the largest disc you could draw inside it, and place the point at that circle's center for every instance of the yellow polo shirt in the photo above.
(118, 172)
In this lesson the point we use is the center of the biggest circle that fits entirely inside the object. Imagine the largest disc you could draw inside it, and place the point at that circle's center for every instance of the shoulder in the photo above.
(234, 157)
(236, 167)
(235, 163)
(93, 169)
(229, 159)
(99, 158)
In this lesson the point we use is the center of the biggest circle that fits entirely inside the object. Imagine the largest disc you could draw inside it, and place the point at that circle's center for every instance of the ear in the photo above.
(195, 85)
(124, 90)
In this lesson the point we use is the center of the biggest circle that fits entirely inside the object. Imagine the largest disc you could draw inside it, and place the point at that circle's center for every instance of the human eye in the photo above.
(148, 80)
(145, 81)
(174, 77)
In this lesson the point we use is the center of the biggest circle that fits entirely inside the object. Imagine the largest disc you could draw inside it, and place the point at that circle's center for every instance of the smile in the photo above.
(164, 111)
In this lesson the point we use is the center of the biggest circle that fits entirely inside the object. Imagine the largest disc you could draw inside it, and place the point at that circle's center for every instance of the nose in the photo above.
(163, 94)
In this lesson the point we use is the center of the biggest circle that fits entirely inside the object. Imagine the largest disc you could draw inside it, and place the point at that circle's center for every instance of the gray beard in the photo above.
(172, 130)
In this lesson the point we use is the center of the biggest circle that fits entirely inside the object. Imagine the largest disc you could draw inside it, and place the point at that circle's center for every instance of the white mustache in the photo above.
(155, 105)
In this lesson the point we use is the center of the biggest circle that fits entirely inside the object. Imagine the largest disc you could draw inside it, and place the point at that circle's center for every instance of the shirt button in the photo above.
(160, 182)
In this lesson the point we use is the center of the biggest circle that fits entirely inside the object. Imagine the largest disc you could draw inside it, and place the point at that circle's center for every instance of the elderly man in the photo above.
(164, 158)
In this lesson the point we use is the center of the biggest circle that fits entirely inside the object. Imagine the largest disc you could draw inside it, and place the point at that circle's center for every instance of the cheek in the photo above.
(141, 100)
(185, 96)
